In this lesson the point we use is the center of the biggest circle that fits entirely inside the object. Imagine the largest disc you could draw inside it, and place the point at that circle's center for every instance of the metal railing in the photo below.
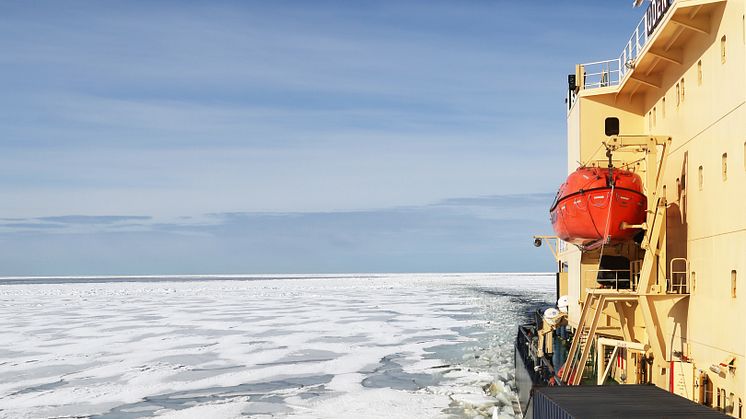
(618, 279)
(627, 279)
(678, 282)
(601, 74)
(611, 72)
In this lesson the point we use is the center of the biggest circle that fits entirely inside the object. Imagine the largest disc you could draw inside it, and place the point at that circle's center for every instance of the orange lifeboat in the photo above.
(592, 204)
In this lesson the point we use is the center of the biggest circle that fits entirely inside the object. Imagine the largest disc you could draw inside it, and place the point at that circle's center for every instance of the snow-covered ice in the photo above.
(403, 345)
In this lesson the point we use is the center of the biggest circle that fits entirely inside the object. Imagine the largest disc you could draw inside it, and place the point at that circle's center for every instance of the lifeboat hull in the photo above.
(589, 210)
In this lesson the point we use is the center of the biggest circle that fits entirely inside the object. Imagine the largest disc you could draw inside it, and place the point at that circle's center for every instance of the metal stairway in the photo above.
(582, 342)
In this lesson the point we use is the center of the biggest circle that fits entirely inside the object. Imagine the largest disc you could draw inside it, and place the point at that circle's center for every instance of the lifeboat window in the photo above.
(725, 166)
(701, 177)
(722, 50)
(699, 72)
(556, 199)
(733, 276)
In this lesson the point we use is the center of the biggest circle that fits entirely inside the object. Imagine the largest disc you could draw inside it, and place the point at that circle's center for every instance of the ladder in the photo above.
(580, 348)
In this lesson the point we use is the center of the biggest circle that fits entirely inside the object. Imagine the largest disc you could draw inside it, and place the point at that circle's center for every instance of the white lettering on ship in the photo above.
(655, 13)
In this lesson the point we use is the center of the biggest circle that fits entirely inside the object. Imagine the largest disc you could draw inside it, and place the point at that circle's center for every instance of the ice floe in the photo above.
(342, 346)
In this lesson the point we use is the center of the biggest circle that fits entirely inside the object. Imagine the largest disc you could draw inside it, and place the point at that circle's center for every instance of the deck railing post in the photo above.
(630, 53)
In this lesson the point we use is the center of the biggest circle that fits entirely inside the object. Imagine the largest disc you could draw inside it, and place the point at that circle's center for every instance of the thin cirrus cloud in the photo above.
(482, 234)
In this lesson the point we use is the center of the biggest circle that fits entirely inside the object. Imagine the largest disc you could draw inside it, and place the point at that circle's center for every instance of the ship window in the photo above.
(655, 116)
(731, 402)
(722, 397)
(725, 166)
(650, 121)
(699, 72)
(733, 276)
(722, 50)
(682, 90)
(663, 108)
(701, 177)
(693, 278)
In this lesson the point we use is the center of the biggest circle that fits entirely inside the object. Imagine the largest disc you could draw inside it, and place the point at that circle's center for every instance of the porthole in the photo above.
(733, 278)
(722, 50)
(724, 163)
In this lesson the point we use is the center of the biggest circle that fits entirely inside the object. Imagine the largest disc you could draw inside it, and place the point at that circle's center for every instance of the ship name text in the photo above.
(656, 10)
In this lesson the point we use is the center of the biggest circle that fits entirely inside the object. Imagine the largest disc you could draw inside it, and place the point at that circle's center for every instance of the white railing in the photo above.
(631, 51)
(618, 279)
(612, 72)
(678, 282)
(601, 74)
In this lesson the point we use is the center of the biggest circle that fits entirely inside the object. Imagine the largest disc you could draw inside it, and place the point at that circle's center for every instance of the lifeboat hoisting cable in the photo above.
(612, 184)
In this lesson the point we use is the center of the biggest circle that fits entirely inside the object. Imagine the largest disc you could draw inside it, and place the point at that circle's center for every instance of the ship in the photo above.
(649, 228)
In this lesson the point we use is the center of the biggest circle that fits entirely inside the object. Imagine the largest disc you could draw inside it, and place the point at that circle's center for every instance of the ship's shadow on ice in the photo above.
(520, 303)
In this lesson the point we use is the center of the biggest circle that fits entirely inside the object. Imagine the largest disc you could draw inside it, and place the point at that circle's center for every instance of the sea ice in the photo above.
(344, 346)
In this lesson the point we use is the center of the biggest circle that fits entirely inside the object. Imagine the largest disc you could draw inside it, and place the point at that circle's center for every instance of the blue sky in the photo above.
(287, 136)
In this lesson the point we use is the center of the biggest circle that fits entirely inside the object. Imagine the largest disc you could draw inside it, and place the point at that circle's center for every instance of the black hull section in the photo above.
(523, 379)
(531, 370)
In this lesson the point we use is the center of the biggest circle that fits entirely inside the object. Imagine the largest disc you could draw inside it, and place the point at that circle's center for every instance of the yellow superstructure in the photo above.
(678, 89)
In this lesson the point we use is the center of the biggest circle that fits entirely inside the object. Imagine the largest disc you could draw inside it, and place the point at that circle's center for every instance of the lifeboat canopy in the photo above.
(595, 205)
